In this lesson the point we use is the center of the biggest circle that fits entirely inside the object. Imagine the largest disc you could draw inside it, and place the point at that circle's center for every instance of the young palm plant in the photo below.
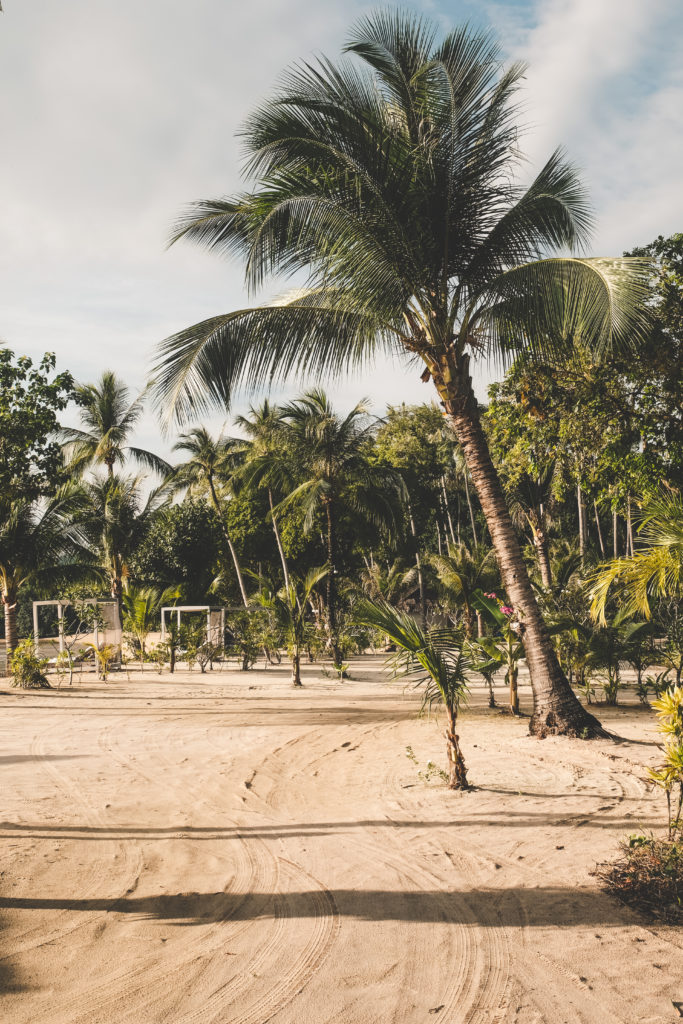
(142, 612)
(464, 573)
(391, 185)
(289, 606)
(437, 659)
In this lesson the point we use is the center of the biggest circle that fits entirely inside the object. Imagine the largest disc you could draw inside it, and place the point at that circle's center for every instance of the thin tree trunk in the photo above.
(10, 609)
(448, 509)
(615, 533)
(597, 523)
(469, 505)
(332, 585)
(541, 545)
(629, 527)
(296, 669)
(278, 540)
(418, 565)
(457, 772)
(228, 541)
(556, 708)
(582, 531)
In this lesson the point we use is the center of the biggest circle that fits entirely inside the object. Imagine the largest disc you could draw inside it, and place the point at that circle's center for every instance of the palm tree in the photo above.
(40, 545)
(655, 570)
(264, 452)
(109, 418)
(392, 187)
(289, 607)
(531, 499)
(464, 572)
(331, 453)
(210, 469)
(142, 611)
(115, 522)
(439, 660)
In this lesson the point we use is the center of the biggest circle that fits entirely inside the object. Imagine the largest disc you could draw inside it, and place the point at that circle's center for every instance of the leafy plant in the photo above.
(437, 660)
(669, 775)
(28, 670)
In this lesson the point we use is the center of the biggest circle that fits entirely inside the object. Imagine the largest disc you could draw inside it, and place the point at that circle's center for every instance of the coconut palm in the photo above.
(437, 659)
(264, 453)
(655, 570)
(210, 468)
(115, 521)
(331, 452)
(109, 418)
(392, 186)
(40, 545)
(531, 499)
(463, 573)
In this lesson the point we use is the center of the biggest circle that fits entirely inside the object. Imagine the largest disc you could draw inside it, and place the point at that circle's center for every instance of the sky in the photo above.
(114, 116)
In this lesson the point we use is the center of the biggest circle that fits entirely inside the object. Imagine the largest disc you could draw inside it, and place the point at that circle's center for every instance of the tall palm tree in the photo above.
(115, 522)
(264, 450)
(39, 544)
(392, 186)
(331, 452)
(109, 418)
(210, 468)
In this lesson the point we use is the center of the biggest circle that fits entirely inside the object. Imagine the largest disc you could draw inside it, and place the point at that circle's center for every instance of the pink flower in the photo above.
(491, 595)
(506, 609)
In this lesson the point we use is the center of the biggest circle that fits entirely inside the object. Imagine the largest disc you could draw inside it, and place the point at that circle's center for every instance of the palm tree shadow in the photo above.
(487, 908)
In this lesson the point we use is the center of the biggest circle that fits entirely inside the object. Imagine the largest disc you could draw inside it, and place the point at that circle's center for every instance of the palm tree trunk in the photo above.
(556, 708)
(597, 523)
(457, 772)
(582, 530)
(10, 608)
(629, 527)
(296, 668)
(332, 585)
(418, 566)
(469, 505)
(541, 545)
(278, 540)
(228, 541)
(615, 533)
(448, 509)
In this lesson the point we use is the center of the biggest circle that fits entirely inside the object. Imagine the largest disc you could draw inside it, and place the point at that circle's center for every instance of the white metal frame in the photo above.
(61, 605)
(179, 609)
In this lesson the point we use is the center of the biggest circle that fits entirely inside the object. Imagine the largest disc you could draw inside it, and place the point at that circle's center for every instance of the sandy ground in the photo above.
(224, 849)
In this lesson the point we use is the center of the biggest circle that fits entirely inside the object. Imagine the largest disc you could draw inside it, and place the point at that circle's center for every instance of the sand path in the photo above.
(224, 849)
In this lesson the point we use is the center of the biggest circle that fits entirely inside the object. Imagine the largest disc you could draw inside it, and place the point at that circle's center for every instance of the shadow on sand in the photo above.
(489, 908)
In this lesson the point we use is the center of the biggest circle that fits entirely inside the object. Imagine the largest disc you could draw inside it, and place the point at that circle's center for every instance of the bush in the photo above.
(28, 670)
(648, 876)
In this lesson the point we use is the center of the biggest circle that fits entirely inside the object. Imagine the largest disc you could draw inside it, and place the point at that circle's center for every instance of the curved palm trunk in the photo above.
(556, 708)
(278, 540)
(457, 772)
(228, 541)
